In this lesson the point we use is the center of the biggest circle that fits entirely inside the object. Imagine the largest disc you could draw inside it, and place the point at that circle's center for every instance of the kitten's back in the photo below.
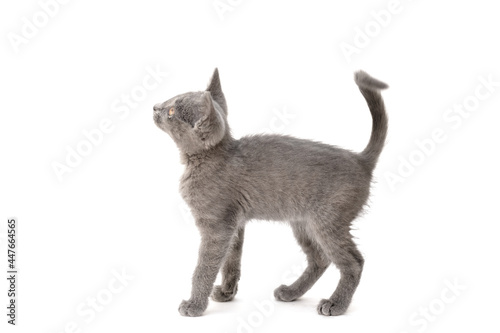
(284, 177)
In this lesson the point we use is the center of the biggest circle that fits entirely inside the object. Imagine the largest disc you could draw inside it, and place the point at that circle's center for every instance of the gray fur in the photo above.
(319, 189)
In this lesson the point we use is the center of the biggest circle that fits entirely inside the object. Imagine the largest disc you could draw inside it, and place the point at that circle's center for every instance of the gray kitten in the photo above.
(319, 189)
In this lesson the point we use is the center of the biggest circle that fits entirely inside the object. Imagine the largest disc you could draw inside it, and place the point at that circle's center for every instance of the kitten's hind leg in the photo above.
(345, 255)
(317, 265)
(231, 270)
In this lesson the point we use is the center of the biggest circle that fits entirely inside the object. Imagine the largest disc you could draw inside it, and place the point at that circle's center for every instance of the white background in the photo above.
(119, 209)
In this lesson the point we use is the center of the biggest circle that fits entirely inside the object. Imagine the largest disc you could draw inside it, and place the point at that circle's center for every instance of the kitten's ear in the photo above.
(211, 127)
(215, 89)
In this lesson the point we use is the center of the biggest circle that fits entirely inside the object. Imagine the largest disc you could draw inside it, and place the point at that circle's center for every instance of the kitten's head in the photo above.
(196, 121)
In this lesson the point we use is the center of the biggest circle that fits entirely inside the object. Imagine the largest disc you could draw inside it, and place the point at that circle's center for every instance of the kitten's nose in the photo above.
(157, 107)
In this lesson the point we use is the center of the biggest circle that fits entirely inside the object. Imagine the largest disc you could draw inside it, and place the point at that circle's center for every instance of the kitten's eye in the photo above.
(171, 112)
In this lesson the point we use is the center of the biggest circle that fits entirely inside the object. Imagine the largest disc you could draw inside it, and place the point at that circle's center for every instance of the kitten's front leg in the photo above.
(213, 248)
(231, 270)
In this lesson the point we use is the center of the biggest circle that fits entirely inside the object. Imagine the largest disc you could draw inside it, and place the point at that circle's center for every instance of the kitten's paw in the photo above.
(190, 308)
(220, 295)
(285, 294)
(328, 307)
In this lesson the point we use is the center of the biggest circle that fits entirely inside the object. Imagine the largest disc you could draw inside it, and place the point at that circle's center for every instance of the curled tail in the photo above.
(370, 89)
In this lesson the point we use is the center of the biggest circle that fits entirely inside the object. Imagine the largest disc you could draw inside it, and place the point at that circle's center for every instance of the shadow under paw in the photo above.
(220, 295)
(286, 294)
(328, 307)
(191, 309)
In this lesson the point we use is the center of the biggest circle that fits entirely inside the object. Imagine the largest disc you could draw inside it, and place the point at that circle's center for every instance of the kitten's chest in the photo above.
(197, 189)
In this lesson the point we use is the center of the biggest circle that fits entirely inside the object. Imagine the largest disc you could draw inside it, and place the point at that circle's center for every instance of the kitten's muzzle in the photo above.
(157, 107)
(157, 113)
